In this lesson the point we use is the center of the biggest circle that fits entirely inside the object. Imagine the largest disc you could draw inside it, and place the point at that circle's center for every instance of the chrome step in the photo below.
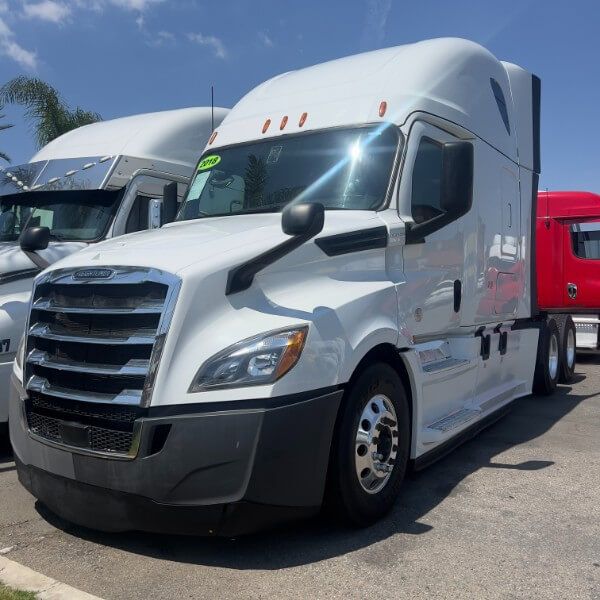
(460, 417)
(44, 331)
(42, 386)
(444, 365)
(134, 367)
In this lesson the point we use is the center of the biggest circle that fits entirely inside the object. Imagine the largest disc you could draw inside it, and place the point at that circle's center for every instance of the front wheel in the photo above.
(371, 447)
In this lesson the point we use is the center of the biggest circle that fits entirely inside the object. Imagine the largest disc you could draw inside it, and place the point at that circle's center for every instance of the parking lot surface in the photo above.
(514, 513)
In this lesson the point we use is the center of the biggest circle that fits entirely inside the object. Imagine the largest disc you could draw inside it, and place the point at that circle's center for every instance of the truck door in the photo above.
(434, 268)
(581, 250)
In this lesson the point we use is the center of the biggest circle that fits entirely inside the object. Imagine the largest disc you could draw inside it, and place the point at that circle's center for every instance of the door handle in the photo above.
(572, 290)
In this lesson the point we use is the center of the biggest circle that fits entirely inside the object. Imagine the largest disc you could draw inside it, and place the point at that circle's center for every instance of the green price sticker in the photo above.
(209, 162)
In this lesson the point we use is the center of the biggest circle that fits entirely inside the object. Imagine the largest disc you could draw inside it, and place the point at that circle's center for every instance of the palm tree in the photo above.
(46, 111)
(4, 126)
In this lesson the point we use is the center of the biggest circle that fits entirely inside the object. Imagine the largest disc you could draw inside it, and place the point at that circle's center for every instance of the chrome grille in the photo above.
(95, 343)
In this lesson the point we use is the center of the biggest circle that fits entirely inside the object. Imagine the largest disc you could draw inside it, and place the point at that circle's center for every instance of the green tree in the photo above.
(4, 126)
(48, 114)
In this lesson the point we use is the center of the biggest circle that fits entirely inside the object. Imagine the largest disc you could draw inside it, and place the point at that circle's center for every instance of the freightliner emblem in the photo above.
(93, 274)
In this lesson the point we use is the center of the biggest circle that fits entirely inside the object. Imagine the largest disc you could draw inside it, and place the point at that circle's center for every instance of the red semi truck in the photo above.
(568, 269)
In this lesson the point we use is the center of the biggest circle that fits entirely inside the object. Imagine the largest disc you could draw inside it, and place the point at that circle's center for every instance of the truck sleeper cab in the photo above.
(94, 183)
(568, 241)
(347, 288)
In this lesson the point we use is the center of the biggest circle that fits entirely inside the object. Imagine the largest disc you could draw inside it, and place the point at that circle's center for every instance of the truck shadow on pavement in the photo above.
(321, 539)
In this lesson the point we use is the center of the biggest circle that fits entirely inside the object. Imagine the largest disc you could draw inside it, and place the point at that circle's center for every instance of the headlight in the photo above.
(255, 361)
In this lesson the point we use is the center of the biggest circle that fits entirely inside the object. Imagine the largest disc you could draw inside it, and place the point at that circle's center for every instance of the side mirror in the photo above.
(305, 220)
(169, 203)
(456, 191)
(33, 239)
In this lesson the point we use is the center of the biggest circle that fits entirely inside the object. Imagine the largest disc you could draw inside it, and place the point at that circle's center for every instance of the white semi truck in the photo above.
(327, 308)
(96, 182)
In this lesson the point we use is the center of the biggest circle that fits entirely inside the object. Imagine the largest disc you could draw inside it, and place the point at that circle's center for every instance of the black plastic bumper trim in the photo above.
(111, 511)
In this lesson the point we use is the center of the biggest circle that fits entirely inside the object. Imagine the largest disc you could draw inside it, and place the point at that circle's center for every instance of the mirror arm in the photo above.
(417, 232)
(240, 278)
(36, 259)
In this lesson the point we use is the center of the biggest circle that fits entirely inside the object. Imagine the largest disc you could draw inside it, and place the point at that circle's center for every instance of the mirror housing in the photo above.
(33, 239)
(457, 190)
(169, 203)
(305, 219)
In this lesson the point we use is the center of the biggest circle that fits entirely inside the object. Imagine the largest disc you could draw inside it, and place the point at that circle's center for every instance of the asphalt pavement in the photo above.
(514, 513)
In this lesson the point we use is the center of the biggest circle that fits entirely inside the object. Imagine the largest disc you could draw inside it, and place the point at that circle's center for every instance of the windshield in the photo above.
(340, 168)
(74, 216)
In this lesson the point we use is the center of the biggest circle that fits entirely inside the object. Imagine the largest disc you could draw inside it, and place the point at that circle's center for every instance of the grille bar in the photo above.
(46, 331)
(42, 386)
(133, 367)
(47, 305)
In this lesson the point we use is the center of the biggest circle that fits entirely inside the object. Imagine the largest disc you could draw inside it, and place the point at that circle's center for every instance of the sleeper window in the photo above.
(426, 195)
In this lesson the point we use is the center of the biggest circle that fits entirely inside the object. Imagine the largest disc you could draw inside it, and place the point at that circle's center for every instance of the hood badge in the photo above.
(93, 274)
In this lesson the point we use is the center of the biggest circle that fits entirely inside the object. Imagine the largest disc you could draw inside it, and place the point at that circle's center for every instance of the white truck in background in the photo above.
(93, 183)
(347, 288)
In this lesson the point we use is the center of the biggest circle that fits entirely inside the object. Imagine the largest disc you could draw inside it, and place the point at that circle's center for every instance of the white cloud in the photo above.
(265, 39)
(212, 42)
(375, 22)
(161, 38)
(139, 5)
(9, 47)
(47, 10)
(133, 5)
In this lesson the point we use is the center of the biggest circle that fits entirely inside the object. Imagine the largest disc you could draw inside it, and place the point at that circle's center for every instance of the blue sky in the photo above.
(121, 57)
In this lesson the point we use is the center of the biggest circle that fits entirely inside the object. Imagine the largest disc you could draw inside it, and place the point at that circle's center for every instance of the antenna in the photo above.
(212, 107)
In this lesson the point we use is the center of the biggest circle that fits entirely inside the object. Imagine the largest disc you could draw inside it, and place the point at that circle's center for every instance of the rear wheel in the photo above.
(548, 359)
(568, 349)
(371, 446)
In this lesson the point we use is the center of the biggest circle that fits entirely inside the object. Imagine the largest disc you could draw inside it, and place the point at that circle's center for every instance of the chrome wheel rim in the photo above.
(553, 357)
(376, 444)
(570, 348)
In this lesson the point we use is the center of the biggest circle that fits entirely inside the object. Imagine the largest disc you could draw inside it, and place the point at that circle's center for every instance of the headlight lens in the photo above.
(255, 361)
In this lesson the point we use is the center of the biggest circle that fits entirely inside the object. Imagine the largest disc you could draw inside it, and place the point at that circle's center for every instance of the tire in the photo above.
(547, 372)
(568, 349)
(363, 500)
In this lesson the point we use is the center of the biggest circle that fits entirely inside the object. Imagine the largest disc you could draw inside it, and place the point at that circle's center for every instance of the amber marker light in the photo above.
(283, 123)
(291, 354)
(302, 119)
(213, 137)
(266, 125)
(382, 108)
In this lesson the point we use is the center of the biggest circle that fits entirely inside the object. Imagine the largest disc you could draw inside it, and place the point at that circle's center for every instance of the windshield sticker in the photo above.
(274, 154)
(209, 162)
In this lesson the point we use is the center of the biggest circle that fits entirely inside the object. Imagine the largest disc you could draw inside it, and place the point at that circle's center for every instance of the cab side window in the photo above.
(586, 240)
(426, 194)
(138, 215)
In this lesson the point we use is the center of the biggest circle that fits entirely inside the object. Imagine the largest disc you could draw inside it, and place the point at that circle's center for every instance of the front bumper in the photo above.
(219, 471)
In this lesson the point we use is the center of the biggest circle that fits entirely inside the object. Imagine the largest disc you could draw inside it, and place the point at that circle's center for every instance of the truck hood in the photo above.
(13, 259)
(224, 241)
